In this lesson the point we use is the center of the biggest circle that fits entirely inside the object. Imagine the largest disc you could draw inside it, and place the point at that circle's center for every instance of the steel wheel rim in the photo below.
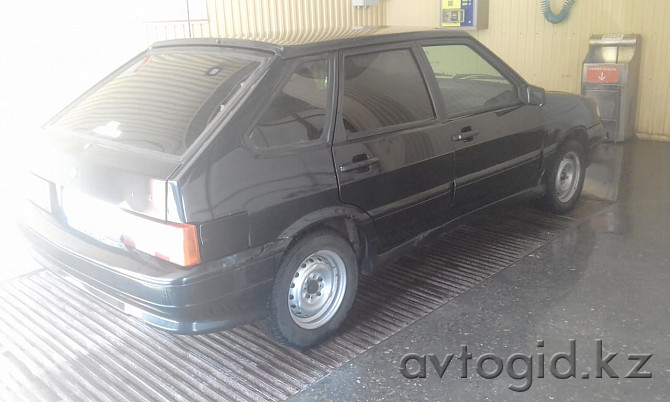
(568, 176)
(317, 289)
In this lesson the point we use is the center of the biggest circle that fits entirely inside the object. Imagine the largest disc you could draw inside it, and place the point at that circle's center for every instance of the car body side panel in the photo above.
(503, 159)
(498, 149)
(273, 187)
(568, 114)
(409, 190)
(224, 236)
(564, 112)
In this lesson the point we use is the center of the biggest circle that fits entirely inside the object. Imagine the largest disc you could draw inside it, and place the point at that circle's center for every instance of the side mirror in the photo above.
(532, 95)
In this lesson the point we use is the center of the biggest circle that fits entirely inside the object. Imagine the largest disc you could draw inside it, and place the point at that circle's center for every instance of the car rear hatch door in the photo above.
(81, 171)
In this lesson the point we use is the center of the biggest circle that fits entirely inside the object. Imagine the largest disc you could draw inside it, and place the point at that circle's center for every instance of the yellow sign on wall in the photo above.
(452, 13)
(465, 14)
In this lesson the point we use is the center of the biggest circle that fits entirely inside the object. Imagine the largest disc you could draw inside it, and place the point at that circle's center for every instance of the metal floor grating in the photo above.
(59, 343)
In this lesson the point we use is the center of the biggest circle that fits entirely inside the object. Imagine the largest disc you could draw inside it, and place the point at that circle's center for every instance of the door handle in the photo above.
(359, 166)
(467, 134)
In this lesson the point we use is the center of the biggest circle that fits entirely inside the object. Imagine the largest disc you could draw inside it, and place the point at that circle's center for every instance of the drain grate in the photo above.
(60, 343)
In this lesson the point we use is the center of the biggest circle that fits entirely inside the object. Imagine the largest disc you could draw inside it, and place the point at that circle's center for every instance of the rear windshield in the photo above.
(162, 102)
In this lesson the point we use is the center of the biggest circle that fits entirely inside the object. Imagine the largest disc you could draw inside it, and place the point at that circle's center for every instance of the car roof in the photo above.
(287, 44)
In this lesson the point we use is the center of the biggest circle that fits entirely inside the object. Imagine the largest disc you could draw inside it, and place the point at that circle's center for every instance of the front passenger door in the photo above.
(497, 138)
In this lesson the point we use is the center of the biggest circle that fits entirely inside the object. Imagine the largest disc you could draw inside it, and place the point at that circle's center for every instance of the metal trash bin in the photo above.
(610, 77)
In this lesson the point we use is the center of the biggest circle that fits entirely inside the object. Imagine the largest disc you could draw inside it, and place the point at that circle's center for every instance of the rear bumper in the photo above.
(206, 298)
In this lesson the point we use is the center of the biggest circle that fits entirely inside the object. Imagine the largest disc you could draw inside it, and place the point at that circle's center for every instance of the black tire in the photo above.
(297, 291)
(563, 188)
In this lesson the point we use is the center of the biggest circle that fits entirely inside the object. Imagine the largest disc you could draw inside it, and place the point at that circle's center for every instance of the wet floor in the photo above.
(606, 279)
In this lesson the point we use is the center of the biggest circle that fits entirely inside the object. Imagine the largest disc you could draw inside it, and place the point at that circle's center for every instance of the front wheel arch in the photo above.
(578, 134)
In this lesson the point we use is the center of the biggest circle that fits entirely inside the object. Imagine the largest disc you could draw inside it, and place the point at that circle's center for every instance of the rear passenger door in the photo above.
(497, 138)
(391, 156)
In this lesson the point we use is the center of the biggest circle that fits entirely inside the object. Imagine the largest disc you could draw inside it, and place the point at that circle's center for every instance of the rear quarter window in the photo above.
(298, 113)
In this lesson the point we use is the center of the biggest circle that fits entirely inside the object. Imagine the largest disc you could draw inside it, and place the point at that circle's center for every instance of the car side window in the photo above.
(298, 113)
(383, 89)
(467, 81)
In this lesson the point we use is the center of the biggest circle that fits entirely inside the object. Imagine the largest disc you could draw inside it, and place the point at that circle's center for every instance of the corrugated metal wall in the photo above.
(157, 31)
(551, 55)
(240, 18)
(245, 18)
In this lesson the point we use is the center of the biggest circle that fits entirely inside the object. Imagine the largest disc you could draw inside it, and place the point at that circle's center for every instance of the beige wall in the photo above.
(551, 55)
(239, 18)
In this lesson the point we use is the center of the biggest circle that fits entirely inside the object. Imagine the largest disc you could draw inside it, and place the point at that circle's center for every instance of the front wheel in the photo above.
(314, 289)
(565, 178)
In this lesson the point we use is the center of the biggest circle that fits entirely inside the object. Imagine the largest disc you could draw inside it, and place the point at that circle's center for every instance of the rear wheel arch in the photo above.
(344, 220)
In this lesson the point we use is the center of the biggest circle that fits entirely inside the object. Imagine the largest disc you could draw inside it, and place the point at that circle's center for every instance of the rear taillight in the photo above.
(174, 242)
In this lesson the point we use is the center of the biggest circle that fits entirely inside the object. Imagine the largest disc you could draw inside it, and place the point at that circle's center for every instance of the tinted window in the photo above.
(298, 113)
(383, 89)
(162, 102)
(467, 81)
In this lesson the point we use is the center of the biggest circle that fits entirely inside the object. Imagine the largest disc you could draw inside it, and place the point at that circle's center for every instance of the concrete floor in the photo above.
(606, 279)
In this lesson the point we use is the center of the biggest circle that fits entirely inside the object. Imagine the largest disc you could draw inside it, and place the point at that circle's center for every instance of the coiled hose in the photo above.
(560, 17)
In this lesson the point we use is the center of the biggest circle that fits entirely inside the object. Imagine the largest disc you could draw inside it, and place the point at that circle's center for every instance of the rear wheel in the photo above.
(565, 178)
(314, 289)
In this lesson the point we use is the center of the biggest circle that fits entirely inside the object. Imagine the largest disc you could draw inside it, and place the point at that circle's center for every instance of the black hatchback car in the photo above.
(212, 182)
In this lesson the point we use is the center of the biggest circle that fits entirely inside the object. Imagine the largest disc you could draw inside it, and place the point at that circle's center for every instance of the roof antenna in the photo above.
(188, 19)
